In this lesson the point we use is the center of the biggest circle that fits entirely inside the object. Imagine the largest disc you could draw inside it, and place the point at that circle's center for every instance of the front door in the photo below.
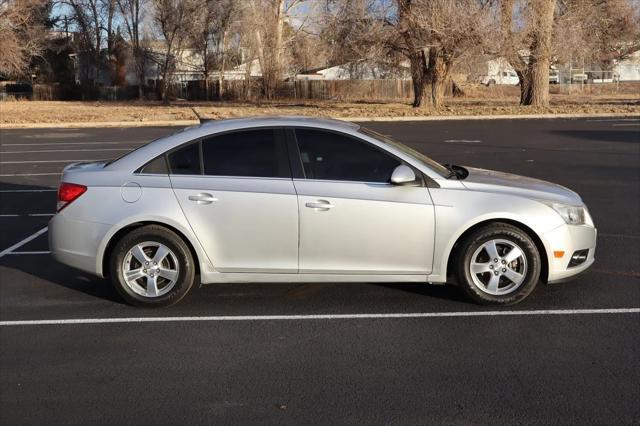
(352, 220)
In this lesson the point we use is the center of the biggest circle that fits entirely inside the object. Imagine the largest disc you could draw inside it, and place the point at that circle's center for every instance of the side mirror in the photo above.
(403, 175)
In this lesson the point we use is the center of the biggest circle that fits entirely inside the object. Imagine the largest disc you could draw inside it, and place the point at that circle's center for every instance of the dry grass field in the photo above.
(498, 101)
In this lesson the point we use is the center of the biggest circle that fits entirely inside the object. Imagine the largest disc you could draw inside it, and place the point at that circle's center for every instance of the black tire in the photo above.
(497, 231)
(159, 234)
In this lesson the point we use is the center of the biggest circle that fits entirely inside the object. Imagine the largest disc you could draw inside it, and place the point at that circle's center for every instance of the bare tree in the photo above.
(208, 36)
(357, 31)
(527, 45)
(535, 32)
(132, 13)
(540, 57)
(94, 22)
(435, 35)
(596, 31)
(22, 33)
(173, 19)
(267, 20)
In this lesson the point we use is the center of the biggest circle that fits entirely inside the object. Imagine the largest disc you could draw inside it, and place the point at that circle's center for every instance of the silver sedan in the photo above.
(292, 199)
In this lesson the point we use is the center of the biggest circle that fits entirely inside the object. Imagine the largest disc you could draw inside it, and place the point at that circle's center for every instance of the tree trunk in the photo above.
(206, 86)
(439, 72)
(525, 86)
(277, 48)
(540, 58)
(163, 92)
(418, 77)
(453, 88)
(140, 68)
(222, 66)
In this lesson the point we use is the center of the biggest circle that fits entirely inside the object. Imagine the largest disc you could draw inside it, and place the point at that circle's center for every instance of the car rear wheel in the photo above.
(498, 265)
(152, 266)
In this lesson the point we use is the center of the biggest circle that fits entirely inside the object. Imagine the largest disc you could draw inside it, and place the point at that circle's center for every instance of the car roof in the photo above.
(142, 155)
(281, 120)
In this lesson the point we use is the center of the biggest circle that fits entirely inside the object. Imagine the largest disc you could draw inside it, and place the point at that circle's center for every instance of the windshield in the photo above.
(432, 164)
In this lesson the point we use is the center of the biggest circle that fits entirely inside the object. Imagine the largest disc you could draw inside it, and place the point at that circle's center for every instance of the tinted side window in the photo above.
(156, 166)
(252, 153)
(332, 156)
(185, 160)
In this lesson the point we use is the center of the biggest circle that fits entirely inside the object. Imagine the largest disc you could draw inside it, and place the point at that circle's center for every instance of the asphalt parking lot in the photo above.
(328, 353)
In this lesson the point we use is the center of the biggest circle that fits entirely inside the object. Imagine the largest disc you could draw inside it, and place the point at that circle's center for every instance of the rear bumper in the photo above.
(75, 243)
(569, 239)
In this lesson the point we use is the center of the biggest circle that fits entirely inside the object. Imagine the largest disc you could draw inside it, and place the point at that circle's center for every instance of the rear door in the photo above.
(352, 220)
(237, 193)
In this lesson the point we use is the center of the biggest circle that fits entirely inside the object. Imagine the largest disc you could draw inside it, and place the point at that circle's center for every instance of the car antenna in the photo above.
(201, 118)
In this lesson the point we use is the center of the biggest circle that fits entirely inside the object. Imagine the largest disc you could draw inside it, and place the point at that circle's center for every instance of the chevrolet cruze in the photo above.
(292, 199)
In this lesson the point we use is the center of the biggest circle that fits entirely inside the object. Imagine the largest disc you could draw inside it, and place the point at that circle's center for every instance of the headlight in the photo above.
(572, 215)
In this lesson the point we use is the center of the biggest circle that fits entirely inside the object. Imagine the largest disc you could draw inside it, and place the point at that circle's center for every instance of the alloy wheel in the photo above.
(150, 269)
(498, 267)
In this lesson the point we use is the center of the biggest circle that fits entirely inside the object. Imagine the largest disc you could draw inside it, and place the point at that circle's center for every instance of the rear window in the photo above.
(251, 153)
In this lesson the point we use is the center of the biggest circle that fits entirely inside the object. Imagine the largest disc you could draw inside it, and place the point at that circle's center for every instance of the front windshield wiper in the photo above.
(452, 172)
(458, 172)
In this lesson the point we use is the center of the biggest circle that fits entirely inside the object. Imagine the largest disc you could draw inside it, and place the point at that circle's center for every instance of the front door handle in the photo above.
(203, 198)
(320, 205)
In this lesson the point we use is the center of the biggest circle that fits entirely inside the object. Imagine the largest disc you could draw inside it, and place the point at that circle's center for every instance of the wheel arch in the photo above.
(544, 266)
(116, 236)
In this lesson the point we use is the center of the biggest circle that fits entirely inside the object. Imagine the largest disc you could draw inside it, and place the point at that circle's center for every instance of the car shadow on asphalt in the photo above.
(613, 135)
(448, 292)
(23, 200)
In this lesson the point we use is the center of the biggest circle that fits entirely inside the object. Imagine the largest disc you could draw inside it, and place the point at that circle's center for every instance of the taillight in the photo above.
(68, 192)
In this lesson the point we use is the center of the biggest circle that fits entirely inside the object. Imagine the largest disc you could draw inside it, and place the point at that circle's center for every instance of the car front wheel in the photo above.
(152, 266)
(498, 265)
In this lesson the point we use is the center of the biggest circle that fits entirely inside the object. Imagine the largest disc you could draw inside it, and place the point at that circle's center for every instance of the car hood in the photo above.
(492, 181)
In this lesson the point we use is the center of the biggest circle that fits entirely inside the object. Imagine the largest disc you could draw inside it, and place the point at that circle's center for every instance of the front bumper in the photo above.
(569, 239)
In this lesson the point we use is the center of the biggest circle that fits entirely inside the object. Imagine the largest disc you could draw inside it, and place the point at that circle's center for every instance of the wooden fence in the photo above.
(342, 90)
(335, 90)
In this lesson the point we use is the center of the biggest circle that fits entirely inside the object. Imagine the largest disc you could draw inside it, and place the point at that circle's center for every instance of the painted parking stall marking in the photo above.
(321, 317)
(23, 242)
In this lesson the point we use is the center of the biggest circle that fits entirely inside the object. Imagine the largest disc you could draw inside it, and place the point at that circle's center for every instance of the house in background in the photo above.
(359, 70)
(494, 71)
(628, 69)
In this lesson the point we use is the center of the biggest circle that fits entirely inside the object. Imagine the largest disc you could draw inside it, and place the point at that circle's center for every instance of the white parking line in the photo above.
(626, 124)
(22, 253)
(28, 190)
(30, 174)
(462, 141)
(71, 143)
(601, 234)
(23, 242)
(67, 150)
(322, 317)
(613, 119)
(27, 214)
(46, 161)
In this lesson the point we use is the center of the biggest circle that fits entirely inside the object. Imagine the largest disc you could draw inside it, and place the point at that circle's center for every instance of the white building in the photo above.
(628, 69)
(358, 71)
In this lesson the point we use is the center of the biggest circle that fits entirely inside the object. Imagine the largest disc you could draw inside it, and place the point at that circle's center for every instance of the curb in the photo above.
(184, 123)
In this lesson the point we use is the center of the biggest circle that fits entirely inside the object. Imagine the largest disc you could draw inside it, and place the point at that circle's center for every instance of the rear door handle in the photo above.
(320, 205)
(203, 198)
